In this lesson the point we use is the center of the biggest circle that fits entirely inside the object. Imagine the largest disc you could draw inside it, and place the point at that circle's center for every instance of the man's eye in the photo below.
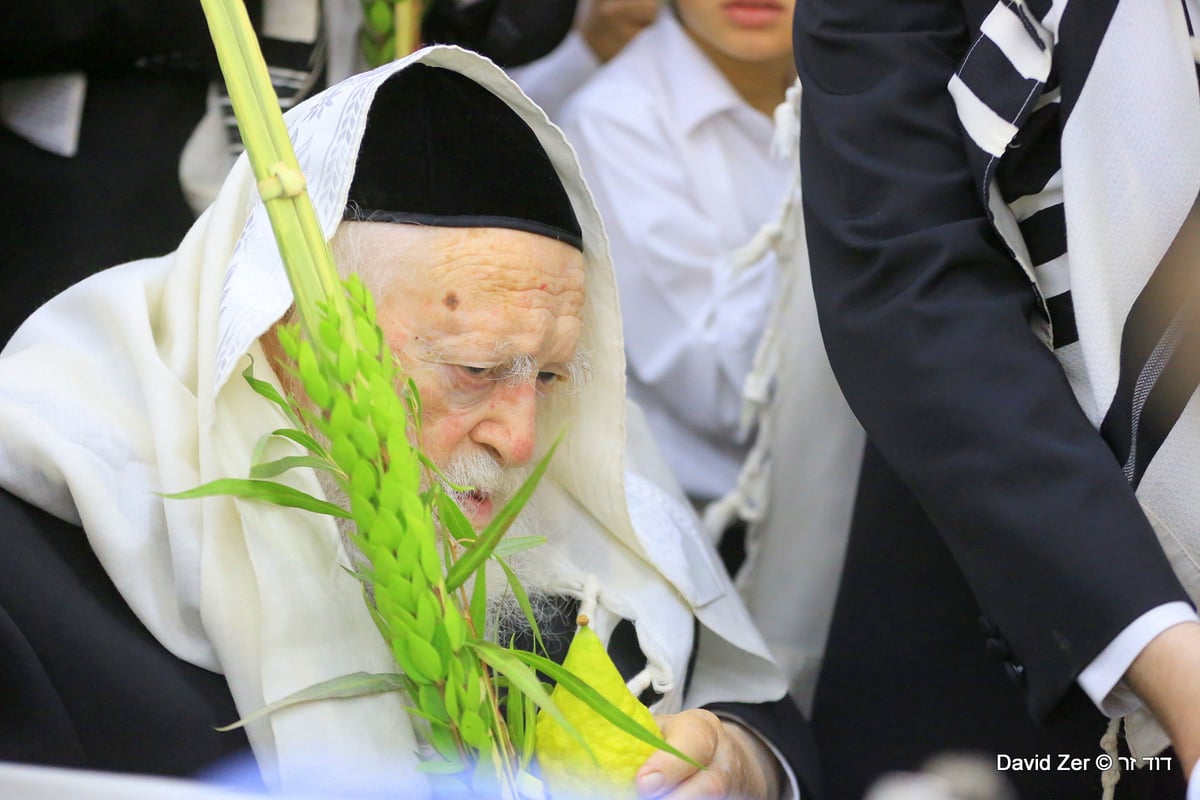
(473, 379)
(548, 378)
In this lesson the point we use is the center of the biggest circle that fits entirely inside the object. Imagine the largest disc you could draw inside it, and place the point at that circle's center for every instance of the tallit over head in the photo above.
(128, 385)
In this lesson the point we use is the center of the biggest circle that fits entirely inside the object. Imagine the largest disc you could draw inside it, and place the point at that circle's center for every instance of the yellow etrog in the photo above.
(568, 770)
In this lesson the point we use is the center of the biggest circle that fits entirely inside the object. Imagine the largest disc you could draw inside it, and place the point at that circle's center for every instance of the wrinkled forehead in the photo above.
(477, 296)
(462, 260)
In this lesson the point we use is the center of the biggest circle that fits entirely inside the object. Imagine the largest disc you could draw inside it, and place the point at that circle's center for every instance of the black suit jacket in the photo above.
(82, 682)
(974, 429)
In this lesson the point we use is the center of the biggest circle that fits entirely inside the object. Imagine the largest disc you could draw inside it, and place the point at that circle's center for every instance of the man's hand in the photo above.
(737, 764)
(1166, 677)
(608, 25)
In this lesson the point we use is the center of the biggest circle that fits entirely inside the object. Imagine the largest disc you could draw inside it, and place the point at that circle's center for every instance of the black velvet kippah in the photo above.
(441, 150)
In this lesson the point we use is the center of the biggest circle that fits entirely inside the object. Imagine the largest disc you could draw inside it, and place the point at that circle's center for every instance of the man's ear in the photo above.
(276, 357)
(273, 350)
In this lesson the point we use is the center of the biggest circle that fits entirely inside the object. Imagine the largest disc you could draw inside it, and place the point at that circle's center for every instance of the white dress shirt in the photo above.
(681, 170)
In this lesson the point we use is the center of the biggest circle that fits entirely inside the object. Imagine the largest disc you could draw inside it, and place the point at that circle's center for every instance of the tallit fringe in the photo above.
(1108, 743)
(748, 499)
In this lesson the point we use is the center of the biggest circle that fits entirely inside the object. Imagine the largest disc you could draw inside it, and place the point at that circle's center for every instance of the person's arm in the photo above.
(691, 323)
(926, 319)
(608, 25)
(1166, 677)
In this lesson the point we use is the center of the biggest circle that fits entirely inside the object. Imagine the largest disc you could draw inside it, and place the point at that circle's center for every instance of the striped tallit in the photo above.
(1082, 122)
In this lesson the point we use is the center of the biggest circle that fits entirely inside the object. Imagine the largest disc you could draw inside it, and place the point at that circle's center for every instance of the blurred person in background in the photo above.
(601, 29)
(675, 136)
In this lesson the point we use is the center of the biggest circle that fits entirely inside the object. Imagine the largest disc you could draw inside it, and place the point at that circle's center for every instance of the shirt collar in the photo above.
(698, 90)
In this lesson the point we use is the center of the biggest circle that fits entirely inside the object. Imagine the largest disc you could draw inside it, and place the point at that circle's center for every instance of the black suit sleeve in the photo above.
(82, 683)
(58, 35)
(926, 321)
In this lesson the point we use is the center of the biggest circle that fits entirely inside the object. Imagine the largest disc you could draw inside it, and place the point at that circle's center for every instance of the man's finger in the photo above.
(696, 733)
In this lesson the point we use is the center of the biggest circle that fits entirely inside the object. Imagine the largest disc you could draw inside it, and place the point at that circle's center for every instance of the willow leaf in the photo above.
(272, 469)
(452, 517)
(260, 447)
(597, 702)
(303, 439)
(518, 591)
(517, 544)
(356, 684)
(381, 624)
(427, 462)
(361, 573)
(425, 715)
(521, 716)
(429, 500)
(268, 391)
(520, 676)
(486, 542)
(267, 491)
(514, 713)
(412, 399)
(479, 600)
(529, 744)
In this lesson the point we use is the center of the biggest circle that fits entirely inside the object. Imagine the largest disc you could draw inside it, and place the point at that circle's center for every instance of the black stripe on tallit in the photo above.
(1062, 320)
(1083, 26)
(1039, 8)
(989, 75)
(1045, 234)
(1171, 393)
(1149, 324)
(1033, 158)
(993, 79)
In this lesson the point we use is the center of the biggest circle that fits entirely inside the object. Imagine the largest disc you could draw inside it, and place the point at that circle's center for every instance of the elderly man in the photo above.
(465, 212)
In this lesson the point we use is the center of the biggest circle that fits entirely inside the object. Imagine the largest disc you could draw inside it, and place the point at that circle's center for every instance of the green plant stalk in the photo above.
(408, 25)
(351, 410)
(391, 29)
(302, 246)
(356, 406)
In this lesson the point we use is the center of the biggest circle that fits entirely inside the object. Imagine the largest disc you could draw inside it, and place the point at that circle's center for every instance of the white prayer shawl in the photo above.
(797, 484)
(1141, 92)
(127, 385)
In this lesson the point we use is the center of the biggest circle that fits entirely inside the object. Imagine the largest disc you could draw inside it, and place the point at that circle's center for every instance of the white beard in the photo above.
(538, 569)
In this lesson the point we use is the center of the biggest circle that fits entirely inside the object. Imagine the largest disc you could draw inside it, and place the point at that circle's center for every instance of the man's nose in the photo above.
(509, 423)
